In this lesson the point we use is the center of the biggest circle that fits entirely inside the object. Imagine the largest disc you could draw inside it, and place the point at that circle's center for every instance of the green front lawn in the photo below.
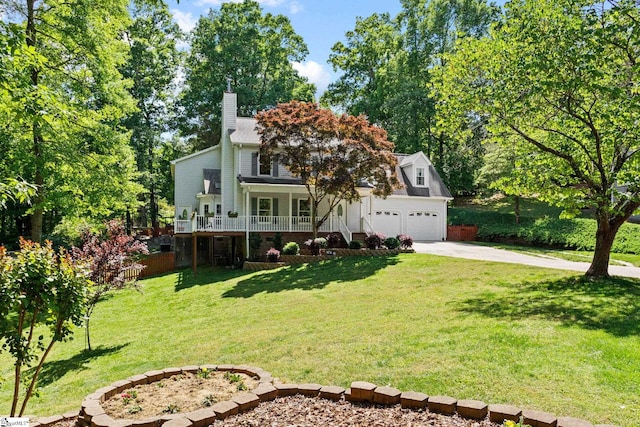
(502, 333)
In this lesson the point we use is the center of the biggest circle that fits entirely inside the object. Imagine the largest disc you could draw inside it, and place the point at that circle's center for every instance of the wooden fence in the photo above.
(459, 233)
(164, 262)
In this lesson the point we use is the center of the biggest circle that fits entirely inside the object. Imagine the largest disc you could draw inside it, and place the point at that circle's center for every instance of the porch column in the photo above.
(247, 220)
(194, 253)
(330, 218)
(290, 210)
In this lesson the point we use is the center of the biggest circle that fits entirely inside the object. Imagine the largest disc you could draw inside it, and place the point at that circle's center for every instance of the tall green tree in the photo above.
(61, 99)
(364, 60)
(559, 81)
(255, 51)
(388, 68)
(152, 67)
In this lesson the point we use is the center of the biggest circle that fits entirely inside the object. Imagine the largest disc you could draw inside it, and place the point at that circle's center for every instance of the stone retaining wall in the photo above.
(327, 255)
(92, 414)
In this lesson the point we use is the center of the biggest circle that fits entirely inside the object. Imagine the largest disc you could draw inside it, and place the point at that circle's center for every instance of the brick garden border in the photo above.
(92, 414)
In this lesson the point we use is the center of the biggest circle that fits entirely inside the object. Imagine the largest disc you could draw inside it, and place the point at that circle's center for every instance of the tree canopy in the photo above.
(61, 99)
(332, 155)
(557, 81)
(255, 51)
(151, 66)
(388, 70)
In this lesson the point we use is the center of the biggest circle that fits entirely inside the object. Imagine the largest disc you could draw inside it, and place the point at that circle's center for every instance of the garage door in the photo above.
(424, 225)
(387, 222)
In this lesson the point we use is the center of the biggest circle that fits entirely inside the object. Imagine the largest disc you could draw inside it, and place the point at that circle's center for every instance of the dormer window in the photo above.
(420, 177)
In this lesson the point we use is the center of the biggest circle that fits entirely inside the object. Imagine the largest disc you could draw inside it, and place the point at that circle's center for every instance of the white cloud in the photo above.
(185, 20)
(315, 73)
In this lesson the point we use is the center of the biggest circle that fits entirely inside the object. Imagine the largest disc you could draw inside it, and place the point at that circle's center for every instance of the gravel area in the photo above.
(300, 411)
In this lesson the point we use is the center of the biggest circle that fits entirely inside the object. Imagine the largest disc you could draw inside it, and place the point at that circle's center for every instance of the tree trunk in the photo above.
(517, 209)
(605, 235)
(38, 209)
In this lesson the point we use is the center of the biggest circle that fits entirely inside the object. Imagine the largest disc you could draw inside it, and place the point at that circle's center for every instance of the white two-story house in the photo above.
(225, 192)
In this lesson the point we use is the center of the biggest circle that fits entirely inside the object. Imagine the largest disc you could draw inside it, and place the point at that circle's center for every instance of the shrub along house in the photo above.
(225, 192)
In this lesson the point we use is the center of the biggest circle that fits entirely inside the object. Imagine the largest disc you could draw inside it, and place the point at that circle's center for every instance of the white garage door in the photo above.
(424, 225)
(387, 222)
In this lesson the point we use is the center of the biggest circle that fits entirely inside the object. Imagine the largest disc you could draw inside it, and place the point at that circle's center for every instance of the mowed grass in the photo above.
(502, 333)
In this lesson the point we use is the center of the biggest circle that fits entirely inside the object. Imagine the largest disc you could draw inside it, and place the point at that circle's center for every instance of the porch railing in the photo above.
(346, 233)
(255, 223)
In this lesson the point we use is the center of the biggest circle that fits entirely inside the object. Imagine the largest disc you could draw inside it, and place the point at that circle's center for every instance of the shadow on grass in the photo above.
(611, 305)
(52, 371)
(310, 276)
(206, 276)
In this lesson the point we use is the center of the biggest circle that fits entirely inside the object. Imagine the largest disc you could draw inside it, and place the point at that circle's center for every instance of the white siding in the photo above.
(189, 180)
(245, 166)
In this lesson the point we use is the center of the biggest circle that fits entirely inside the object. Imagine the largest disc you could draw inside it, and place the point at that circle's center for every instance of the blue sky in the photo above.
(321, 23)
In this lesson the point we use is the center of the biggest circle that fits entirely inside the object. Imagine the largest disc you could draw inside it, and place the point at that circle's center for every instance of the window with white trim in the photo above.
(304, 207)
(420, 177)
(265, 208)
(264, 165)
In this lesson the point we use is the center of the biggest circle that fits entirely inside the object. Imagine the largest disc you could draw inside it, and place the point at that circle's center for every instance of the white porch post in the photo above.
(330, 217)
(371, 213)
(247, 212)
(290, 210)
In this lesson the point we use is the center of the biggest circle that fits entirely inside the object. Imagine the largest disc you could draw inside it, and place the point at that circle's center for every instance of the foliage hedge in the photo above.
(576, 233)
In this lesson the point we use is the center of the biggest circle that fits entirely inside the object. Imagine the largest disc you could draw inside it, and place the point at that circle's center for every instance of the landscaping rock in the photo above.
(499, 413)
(178, 422)
(573, 422)
(442, 404)
(473, 409)
(246, 401)
(266, 392)
(413, 400)
(309, 389)
(202, 417)
(539, 419)
(362, 390)
(286, 389)
(225, 409)
(332, 392)
(386, 395)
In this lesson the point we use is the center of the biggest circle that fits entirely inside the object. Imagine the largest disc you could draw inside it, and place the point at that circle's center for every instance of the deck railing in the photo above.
(252, 223)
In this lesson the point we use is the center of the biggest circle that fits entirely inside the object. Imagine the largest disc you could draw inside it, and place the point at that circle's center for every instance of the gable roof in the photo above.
(436, 188)
(245, 131)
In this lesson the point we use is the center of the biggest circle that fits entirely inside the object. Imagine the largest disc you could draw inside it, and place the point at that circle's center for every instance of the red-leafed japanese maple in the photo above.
(333, 155)
(112, 259)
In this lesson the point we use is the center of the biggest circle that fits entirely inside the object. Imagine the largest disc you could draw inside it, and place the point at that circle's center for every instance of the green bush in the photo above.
(575, 233)
(291, 248)
(355, 244)
(391, 243)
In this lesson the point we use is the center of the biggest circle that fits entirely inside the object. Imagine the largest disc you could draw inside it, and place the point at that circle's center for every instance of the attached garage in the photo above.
(424, 225)
(388, 222)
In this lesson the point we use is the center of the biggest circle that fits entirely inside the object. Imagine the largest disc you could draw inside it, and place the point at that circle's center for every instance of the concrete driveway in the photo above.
(486, 253)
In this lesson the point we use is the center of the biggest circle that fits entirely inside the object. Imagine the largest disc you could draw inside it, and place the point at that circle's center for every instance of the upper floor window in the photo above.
(420, 177)
(264, 165)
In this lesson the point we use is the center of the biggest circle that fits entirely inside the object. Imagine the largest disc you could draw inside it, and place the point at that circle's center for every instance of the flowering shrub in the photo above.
(291, 248)
(374, 241)
(510, 423)
(273, 255)
(333, 240)
(314, 245)
(406, 241)
(391, 242)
